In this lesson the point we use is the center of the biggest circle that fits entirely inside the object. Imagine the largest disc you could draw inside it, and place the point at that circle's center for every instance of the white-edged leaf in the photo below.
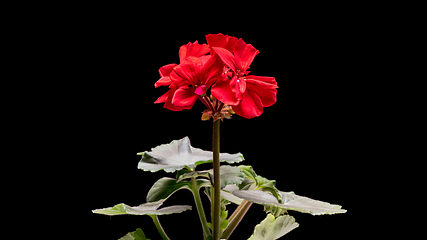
(290, 201)
(180, 154)
(228, 195)
(143, 209)
(256, 196)
(230, 175)
(272, 228)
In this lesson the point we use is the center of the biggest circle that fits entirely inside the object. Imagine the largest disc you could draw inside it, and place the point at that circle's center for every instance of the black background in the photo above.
(311, 141)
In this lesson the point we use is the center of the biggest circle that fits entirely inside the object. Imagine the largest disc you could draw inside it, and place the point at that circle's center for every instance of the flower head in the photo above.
(248, 94)
(186, 51)
(224, 72)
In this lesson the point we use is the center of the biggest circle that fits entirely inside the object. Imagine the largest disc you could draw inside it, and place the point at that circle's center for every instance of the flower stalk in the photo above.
(216, 218)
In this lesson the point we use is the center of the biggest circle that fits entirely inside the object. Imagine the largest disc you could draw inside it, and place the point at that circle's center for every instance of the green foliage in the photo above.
(227, 193)
(151, 208)
(224, 212)
(186, 174)
(236, 183)
(135, 235)
(272, 228)
(276, 211)
(180, 154)
(224, 221)
(290, 201)
(165, 187)
(228, 175)
(254, 182)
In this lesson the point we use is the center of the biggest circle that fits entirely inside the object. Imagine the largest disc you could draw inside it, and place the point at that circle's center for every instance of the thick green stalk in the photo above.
(159, 227)
(199, 206)
(236, 218)
(216, 218)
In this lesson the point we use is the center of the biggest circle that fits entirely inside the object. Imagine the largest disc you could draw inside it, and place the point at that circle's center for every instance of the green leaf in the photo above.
(276, 211)
(230, 175)
(223, 225)
(180, 154)
(290, 201)
(227, 194)
(272, 228)
(129, 236)
(187, 175)
(294, 202)
(266, 185)
(250, 177)
(140, 234)
(254, 182)
(143, 209)
(165, 187)
(135, 235)
(224, 215)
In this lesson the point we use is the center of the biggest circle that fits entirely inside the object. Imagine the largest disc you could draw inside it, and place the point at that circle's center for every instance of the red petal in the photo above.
(244, 54)
(185, 73)
(168, 103)
(238, 87)
(184, 97)
(162, 98)
(192, 50)
(164, 81)
(226, 57)
(211, 71)
(164, 74)
(219, 40)
(221, 91)
(166, 70)
(250, 106)
(270, 80)
(264, 87)
(204, 59)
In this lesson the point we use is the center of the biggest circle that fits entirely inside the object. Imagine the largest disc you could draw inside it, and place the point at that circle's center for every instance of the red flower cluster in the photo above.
(224, 71)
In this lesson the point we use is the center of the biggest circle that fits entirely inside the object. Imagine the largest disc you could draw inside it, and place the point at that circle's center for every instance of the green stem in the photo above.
(159, 227)
(230, 219)
(216, 218)
(199, 206)
(236, 217)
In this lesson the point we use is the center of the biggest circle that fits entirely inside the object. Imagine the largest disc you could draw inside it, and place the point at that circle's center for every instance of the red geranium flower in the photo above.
(189, 50)
(248, 94)
(193, 78)
(225, 70)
